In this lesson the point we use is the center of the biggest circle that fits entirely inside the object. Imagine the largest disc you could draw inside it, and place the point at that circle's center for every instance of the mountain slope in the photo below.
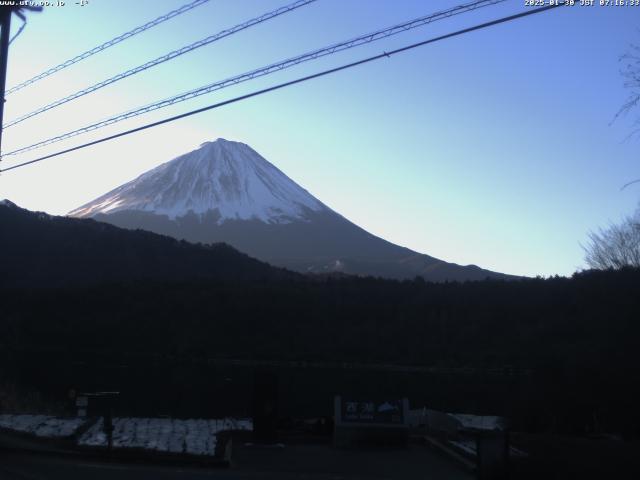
(45, 250)
(226, 192)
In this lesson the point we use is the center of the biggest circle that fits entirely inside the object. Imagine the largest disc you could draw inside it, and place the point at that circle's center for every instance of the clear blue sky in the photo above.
(493, 148)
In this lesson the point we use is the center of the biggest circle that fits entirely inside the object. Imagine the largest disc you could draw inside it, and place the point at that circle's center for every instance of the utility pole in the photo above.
(5, 13)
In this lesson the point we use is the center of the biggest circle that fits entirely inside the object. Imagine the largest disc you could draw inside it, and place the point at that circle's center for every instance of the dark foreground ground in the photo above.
(550, 457)
(312, 462)
(567, 457)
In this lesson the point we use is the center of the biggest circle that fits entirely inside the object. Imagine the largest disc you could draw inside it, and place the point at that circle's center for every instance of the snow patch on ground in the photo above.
(468, 446)
(193, 437)
(479, 422)
(59, 427)
(41, 425)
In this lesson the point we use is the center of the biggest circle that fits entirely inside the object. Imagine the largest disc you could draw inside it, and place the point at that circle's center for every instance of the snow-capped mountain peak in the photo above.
(228, 177)
(226, 192)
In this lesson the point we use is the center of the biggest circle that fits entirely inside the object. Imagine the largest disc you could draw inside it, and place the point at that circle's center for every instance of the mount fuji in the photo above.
(226, 192)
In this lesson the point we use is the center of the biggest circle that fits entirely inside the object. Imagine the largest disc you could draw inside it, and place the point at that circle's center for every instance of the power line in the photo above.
(110, 43)
(165, 58)
(289, 83)
(338, 47)
(17, 34)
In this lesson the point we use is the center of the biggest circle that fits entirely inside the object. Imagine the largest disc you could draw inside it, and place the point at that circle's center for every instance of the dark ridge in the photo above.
(41, 250)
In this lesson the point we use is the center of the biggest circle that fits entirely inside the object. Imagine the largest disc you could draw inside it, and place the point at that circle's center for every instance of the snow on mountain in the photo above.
(228, 177)
(226, 192)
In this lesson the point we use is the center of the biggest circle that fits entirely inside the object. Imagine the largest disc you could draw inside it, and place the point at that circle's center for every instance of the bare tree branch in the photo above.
(615, 247)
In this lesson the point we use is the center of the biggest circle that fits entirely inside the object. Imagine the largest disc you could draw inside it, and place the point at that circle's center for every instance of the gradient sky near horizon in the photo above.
(494, 148)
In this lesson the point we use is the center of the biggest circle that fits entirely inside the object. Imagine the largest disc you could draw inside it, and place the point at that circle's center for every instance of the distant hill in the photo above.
(44, 250)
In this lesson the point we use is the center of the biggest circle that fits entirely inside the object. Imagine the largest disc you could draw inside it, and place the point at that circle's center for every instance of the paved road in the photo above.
(316, 462)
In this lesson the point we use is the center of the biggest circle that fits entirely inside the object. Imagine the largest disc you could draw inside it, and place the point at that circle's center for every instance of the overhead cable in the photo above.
(164, 58)
(275, 67)
(110, 43)
(381, 56)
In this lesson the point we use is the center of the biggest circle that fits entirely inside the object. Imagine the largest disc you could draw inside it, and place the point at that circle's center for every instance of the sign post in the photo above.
(5, 24)
(101, 405)
(265, 407)
(371, 422)
(82, 402)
